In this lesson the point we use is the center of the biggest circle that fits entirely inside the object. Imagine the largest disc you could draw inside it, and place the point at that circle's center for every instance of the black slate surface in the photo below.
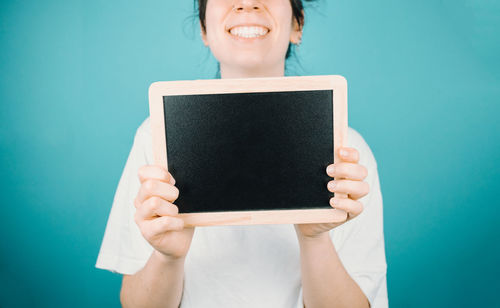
(250, 151)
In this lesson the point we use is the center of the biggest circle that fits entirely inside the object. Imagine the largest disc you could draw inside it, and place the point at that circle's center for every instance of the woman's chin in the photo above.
(249, 66)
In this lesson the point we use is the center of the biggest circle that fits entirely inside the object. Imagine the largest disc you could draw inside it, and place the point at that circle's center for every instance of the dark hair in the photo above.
(297, 12)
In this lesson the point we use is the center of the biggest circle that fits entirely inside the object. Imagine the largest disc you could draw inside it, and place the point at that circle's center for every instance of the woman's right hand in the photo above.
(156, 215)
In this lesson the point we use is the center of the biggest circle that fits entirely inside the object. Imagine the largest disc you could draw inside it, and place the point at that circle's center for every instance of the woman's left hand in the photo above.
(349, 180)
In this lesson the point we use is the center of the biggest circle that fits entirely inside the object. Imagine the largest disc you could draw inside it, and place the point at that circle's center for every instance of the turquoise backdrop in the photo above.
(424, 91)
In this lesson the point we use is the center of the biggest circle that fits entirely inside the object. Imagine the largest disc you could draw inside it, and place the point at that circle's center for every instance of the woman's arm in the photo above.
(325, 282)
(158, 284)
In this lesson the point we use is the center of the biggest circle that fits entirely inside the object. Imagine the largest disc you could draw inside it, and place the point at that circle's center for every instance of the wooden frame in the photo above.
(336, 83)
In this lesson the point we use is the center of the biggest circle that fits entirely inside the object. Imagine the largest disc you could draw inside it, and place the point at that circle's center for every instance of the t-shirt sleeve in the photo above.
(123, 249)
(360, 242)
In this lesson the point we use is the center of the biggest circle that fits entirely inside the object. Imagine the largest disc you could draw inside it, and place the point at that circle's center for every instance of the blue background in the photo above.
(424, 91)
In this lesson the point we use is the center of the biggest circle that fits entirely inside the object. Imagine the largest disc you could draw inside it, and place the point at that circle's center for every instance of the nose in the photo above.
(247, 5)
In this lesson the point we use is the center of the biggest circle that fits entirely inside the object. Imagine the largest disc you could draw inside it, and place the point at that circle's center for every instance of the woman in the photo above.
(316, 265)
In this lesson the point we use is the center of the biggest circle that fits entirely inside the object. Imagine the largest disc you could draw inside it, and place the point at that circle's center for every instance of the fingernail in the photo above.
(331, 185)
(330, 169)
(344, 153)
(333, 202)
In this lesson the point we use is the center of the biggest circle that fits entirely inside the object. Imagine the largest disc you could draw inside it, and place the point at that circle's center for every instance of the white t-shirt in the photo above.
(248, 266)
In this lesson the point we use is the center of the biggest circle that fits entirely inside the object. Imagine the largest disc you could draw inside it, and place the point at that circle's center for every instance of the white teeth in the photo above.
(249, 32)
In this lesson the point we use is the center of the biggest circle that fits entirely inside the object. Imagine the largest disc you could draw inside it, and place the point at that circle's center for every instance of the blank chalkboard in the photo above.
(248, 152)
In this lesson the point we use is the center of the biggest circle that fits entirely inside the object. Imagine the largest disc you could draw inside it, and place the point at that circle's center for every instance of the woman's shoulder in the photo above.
(356, 140)
(143, 142)
(144, 129)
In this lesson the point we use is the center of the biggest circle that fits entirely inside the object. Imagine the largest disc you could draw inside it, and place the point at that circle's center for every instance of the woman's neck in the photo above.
(227, 72)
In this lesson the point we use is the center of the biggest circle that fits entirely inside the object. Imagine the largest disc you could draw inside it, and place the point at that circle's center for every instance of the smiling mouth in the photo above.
(248, 31)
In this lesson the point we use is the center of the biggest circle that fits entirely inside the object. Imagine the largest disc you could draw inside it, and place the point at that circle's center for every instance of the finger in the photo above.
(355, 189)
(153, 172)
(157, 188)
(161, 225)
(154, 207)
(353, 207)
(349, 171)
(350, 155)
